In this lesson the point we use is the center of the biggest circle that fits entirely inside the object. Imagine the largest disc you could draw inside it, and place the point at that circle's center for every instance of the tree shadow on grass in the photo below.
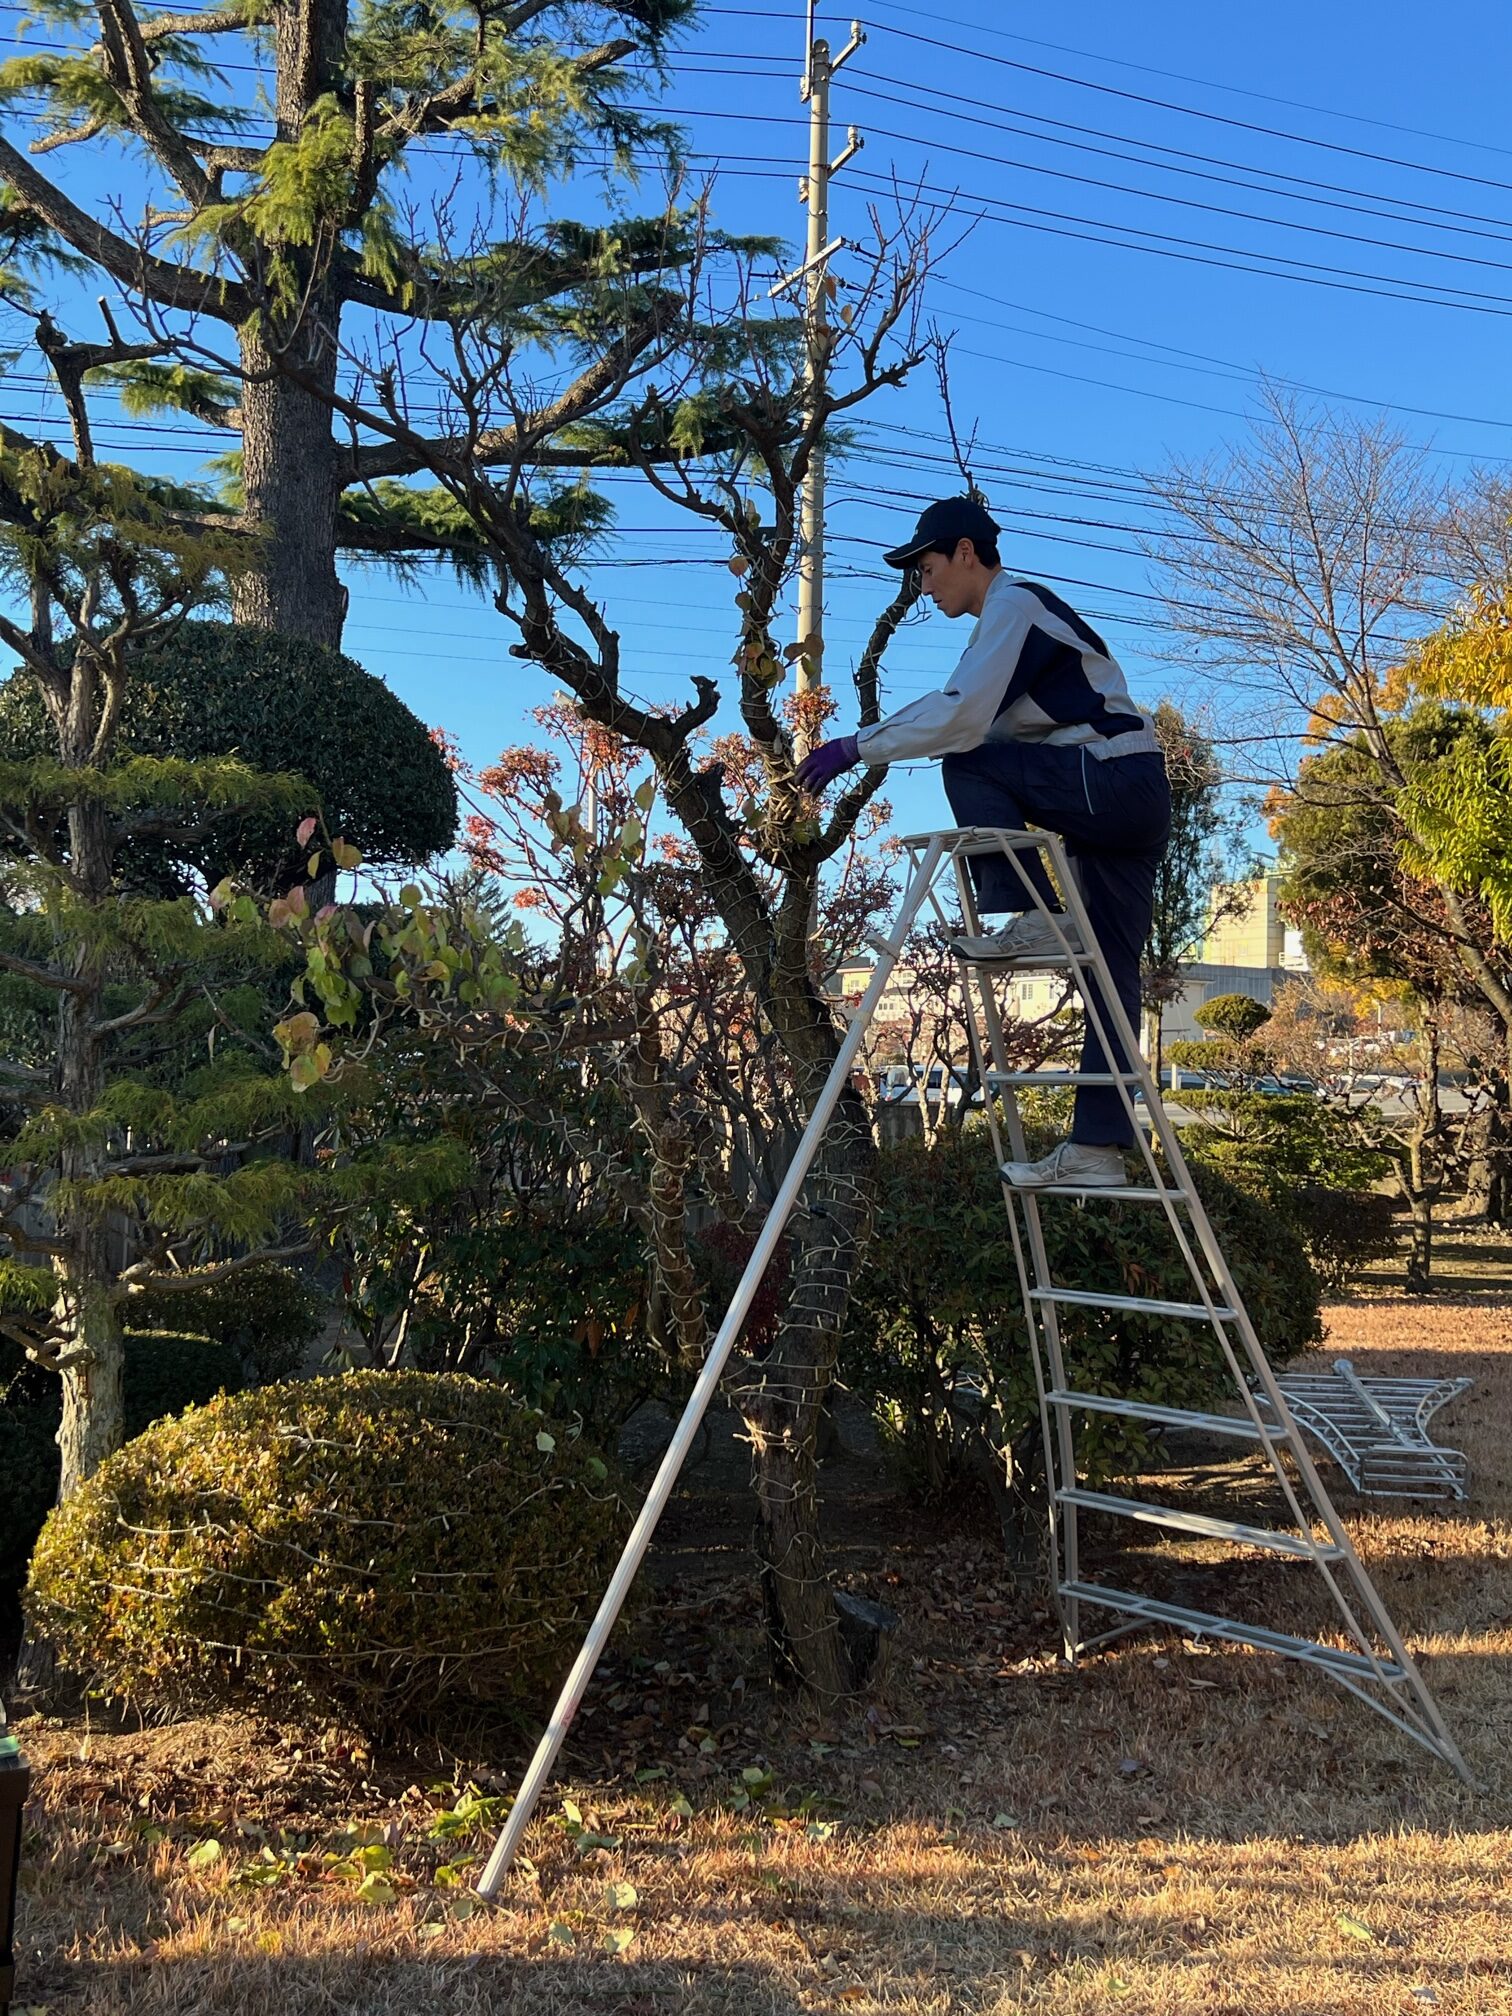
(349, 1982)
(980, 1958)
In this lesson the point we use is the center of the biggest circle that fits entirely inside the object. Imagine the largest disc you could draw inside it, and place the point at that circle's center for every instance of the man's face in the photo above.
(947, 578)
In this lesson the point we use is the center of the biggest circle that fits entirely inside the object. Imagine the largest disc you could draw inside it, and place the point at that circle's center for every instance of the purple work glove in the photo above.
(823, 765)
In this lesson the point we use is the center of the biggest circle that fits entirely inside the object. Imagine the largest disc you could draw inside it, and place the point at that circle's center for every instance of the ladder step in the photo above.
(1167, 1417)
(1115, 1193)
(1081, 1298)
(1032, 962)
(1202, 1624)
(1201, 1524)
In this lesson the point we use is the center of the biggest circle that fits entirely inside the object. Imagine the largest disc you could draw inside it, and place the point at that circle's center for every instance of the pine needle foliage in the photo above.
(285, 239)
(148, 1127)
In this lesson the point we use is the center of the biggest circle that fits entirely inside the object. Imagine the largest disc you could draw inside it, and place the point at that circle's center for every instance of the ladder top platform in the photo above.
(977, 839)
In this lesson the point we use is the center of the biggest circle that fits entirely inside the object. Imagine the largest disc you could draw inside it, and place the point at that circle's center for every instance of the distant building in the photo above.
(1258, 935)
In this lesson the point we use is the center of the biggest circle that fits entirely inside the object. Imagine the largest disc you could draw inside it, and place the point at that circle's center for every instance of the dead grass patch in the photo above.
(1167, 1830)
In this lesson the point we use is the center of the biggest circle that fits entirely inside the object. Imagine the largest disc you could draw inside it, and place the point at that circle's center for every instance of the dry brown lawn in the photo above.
(1165, 1830)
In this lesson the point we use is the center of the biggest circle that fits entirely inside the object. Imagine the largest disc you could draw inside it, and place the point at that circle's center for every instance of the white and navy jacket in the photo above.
(1033, 671)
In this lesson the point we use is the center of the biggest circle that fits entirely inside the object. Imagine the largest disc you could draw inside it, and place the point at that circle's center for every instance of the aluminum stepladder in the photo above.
(1374, 1664)
(1385, 1678)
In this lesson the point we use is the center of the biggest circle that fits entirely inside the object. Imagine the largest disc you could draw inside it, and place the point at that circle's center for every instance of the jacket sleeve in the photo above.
(957, 718)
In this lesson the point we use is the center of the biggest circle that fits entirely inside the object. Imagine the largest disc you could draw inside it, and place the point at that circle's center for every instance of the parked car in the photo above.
(899, 1084)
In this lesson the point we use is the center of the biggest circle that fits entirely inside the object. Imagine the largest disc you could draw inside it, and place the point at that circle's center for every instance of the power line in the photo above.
(1302, 189)
(1203, 83)
(1501, 236)
(1202, 357)
(1164, 104)
(1028, 217)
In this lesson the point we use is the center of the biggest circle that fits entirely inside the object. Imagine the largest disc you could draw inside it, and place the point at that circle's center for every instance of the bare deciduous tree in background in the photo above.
(1307, 568)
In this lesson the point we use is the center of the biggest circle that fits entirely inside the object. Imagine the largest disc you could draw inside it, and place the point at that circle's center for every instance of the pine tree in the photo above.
(141, 1104)
(282, 241)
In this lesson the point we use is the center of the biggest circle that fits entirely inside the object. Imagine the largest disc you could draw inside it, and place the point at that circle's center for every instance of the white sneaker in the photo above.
(1020, 943)
(1071, 1166)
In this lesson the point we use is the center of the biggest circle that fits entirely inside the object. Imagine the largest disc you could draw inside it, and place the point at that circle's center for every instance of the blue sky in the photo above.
(1107, 149)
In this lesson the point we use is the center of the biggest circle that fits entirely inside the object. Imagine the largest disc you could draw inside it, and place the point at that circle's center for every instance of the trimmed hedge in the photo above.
(269, 1316)
(388, 1548)
(162, 1374)
(935, 1336)
(281, 704)
(1343, 1231)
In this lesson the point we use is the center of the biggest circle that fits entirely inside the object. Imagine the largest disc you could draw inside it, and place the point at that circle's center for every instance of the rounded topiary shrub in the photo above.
(281, 704)
(162, 1375)
(268, 1316)
(392, 1549)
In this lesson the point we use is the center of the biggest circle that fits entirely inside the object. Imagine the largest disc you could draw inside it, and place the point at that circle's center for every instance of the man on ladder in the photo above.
(1034, 728)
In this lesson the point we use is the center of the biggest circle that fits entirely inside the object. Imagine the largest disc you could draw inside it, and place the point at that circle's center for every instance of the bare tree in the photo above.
(1304, 568)
(706, 365)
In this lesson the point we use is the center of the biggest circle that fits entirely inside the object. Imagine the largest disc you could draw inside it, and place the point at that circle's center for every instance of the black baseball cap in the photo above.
(941, 525)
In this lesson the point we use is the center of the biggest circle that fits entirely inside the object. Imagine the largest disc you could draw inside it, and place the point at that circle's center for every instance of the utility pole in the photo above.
(813, 189)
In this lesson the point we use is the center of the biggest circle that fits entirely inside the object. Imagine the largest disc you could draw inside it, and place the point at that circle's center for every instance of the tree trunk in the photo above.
(1488, 1193)
(290, 460)
(292, 490)
(1420, 1259)
(93, 1424)
(800, 1607)
(785, 1411)
(93, 1417)
(1425, 1161)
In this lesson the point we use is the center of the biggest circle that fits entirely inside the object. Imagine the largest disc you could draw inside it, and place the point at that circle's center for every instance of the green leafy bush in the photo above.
(1273, 1144)
(1236, 1017)
(269, 1316)
(281, 704)
(1343, 1231)
(935, 1334)
(163, 1374)
(390, 1548)
(551, 1304)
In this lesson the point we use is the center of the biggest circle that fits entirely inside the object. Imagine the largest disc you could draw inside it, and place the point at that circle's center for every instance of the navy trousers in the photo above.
(1115, 818)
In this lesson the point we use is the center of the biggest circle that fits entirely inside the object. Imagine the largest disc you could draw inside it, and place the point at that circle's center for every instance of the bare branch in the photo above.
(137, 1279)
(219, 21)
(181, 287)
(411, 452)
(128, 68)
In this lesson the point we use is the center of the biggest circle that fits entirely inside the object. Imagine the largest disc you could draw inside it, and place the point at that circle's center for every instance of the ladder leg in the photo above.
(1041, 1320)
(1319, 1506)
(576, 1684)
